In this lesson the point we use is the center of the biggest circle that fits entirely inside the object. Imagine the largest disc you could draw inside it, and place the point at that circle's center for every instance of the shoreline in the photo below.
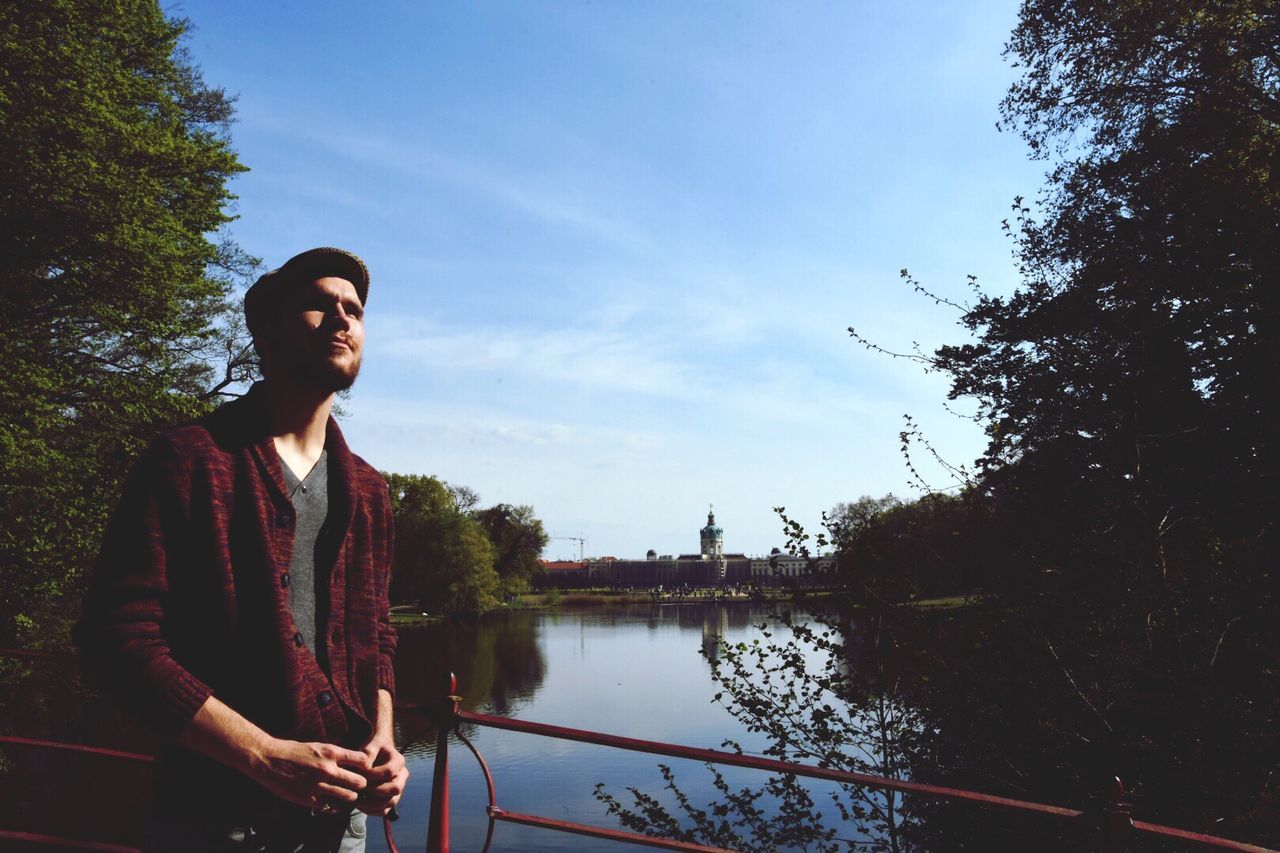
(605, 599)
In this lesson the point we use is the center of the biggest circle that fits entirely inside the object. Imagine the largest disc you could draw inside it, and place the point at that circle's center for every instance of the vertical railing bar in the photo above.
(446, 717)
(1117, 825)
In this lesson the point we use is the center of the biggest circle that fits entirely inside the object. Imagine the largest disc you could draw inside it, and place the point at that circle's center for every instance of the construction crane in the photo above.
(582, 544)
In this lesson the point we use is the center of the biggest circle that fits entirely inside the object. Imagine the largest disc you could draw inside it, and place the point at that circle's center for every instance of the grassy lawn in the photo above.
(405, 618)
(583, 597)
(946, 603)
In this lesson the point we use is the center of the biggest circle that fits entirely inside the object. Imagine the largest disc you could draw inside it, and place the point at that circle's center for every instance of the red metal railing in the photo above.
(65, 843)
(13, 741)
(1113, 822)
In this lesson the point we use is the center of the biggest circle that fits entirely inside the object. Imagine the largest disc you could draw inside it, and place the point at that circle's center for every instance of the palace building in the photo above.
(711, 566)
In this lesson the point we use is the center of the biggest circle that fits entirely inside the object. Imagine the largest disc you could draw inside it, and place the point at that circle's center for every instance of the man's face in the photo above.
(319, 335)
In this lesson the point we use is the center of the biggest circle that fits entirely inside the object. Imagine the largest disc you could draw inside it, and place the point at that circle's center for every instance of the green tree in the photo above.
(1137, 353)
(115, 161)
(444, 561)
(850, 520)
(1129, 395)
(937, 545)
(518, 537)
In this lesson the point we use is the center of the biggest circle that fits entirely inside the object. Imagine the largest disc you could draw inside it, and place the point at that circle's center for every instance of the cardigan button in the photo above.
(324, 698)
(299, 640)
(285, 579)
(284, 519)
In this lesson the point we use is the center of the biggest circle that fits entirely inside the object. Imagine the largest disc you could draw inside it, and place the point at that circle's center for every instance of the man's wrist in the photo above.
(384, 723)
(254, 753)
(220, 733)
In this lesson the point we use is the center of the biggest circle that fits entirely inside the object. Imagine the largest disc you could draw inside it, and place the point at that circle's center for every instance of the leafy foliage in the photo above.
(116, 160)
(518, 538)
(1103, 74)
(779, 815)
(453, 559)
(444, 561)
(937, 546)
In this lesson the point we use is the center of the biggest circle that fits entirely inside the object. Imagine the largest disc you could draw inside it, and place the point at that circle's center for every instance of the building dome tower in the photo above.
(712, 537)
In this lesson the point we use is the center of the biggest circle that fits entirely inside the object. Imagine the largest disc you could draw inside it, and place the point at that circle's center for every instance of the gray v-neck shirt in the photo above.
(310, 497)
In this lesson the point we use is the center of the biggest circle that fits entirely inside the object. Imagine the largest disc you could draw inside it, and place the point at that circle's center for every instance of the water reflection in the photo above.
(638, 670)
(500, 664)
(497, 660)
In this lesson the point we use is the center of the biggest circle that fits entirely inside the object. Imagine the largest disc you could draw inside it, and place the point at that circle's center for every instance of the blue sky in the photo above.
(615, 247)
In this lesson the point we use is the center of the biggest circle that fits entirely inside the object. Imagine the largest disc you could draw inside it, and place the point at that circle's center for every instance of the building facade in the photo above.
(710, 567)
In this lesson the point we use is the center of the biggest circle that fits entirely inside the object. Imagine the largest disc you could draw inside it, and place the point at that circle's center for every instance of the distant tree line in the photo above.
(937, 546)
(454, 559)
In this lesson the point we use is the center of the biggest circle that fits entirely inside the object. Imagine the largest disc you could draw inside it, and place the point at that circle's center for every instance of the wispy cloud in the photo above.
(495, 429)
(591, 358)
(551, 205)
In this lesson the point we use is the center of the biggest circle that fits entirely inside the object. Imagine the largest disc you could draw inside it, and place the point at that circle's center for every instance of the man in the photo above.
(240, 599)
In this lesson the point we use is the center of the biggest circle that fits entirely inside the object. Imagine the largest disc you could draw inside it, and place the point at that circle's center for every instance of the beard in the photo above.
(325, 375)
(306, 370)
(305, 358)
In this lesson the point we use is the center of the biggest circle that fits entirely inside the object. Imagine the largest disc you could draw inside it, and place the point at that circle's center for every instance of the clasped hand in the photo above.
(321, 775)
(386, 777)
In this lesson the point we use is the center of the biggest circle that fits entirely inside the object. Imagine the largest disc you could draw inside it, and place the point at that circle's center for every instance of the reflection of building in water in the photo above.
(711, 566)
(715, 624)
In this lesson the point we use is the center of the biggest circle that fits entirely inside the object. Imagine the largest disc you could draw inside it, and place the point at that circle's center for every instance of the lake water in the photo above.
(640, 672)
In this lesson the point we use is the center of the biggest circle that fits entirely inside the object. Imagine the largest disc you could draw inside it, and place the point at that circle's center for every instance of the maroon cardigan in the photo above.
(189, 598)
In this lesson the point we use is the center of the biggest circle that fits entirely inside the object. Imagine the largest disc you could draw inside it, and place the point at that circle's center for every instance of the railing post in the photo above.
(438, 823)
(1117, 823)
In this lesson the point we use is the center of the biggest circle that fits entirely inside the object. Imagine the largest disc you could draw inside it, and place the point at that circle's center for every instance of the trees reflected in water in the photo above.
(500, 664)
